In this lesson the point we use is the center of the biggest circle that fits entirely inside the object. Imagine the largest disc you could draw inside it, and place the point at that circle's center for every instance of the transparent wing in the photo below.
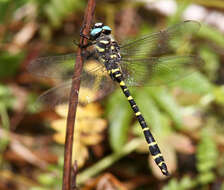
(54, 67)
(60, 94)
(58, 68)
(158, 71)
(55, 96)
(161, 43)
(95, 82)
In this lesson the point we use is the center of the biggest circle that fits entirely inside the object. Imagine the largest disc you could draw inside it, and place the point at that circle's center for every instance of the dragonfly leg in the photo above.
(82, 46)
(84, 36)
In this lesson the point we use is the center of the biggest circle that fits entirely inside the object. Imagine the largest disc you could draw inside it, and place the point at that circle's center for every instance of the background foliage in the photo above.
(186, 116)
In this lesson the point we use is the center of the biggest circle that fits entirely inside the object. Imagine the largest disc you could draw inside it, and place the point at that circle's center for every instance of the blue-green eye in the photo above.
(106, 28)
(95, 31)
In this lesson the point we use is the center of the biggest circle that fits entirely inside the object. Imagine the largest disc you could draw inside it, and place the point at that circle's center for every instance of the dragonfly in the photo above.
(140, 62)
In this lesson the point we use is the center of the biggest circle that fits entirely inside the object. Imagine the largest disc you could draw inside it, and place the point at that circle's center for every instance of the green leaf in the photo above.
(194, 83)
(149, 111)
(6, 97)
(107, 161)
(57, 10)
(4, 143)
(176, 17)
(47, 179)
(167, 103)
(211, 60)
(219, 94)
(207, 155)
(4, 6)
(206, 178)
(9, 64)
(212, 34)
(119, 115)
(33, 106)
(172, 185)
(186, 183)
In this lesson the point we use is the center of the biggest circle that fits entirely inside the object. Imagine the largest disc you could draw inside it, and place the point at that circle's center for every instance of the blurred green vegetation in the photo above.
(186, 116)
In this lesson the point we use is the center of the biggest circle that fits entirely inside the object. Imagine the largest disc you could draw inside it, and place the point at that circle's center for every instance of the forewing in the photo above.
(158, 71)
(58, 68)
(161, 43)
(95, 84)
(54, 67)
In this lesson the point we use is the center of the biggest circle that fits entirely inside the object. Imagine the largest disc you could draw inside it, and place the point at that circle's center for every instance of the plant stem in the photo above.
(107, 161)
(73, 100)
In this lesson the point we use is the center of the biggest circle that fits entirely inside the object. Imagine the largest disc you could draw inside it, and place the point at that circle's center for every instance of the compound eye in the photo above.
(98, 25)
(95, 32)
(106, 30)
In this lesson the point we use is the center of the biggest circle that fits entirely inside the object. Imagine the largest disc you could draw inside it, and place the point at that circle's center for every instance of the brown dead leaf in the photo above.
(181, 143)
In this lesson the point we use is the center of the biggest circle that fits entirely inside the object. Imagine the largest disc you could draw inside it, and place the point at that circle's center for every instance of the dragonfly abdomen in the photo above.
(153, 146)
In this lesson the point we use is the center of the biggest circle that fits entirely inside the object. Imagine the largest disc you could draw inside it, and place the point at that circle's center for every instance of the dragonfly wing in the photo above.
(158, 71)
(54, 67)
(58, 68)
(166, 41)
(96, 87)
(95, 84)
(55, 96)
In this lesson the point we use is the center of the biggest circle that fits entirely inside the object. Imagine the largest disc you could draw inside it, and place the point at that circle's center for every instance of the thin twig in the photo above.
(73, 101)
(73, 176)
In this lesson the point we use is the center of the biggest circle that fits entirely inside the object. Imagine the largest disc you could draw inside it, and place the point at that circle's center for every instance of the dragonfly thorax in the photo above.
(106, 47)
(108, 51)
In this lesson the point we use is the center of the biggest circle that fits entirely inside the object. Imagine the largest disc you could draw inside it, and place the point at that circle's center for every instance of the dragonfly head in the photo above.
(98, 29)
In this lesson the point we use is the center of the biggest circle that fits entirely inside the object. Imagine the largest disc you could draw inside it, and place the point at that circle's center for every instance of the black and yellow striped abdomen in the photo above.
(153, 147)
(108, 51)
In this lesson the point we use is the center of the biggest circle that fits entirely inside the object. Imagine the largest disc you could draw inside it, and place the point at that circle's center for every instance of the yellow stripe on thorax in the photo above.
(104, 41)
(99, 49)
(115, 70)
(113, 56)
(102, 60)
